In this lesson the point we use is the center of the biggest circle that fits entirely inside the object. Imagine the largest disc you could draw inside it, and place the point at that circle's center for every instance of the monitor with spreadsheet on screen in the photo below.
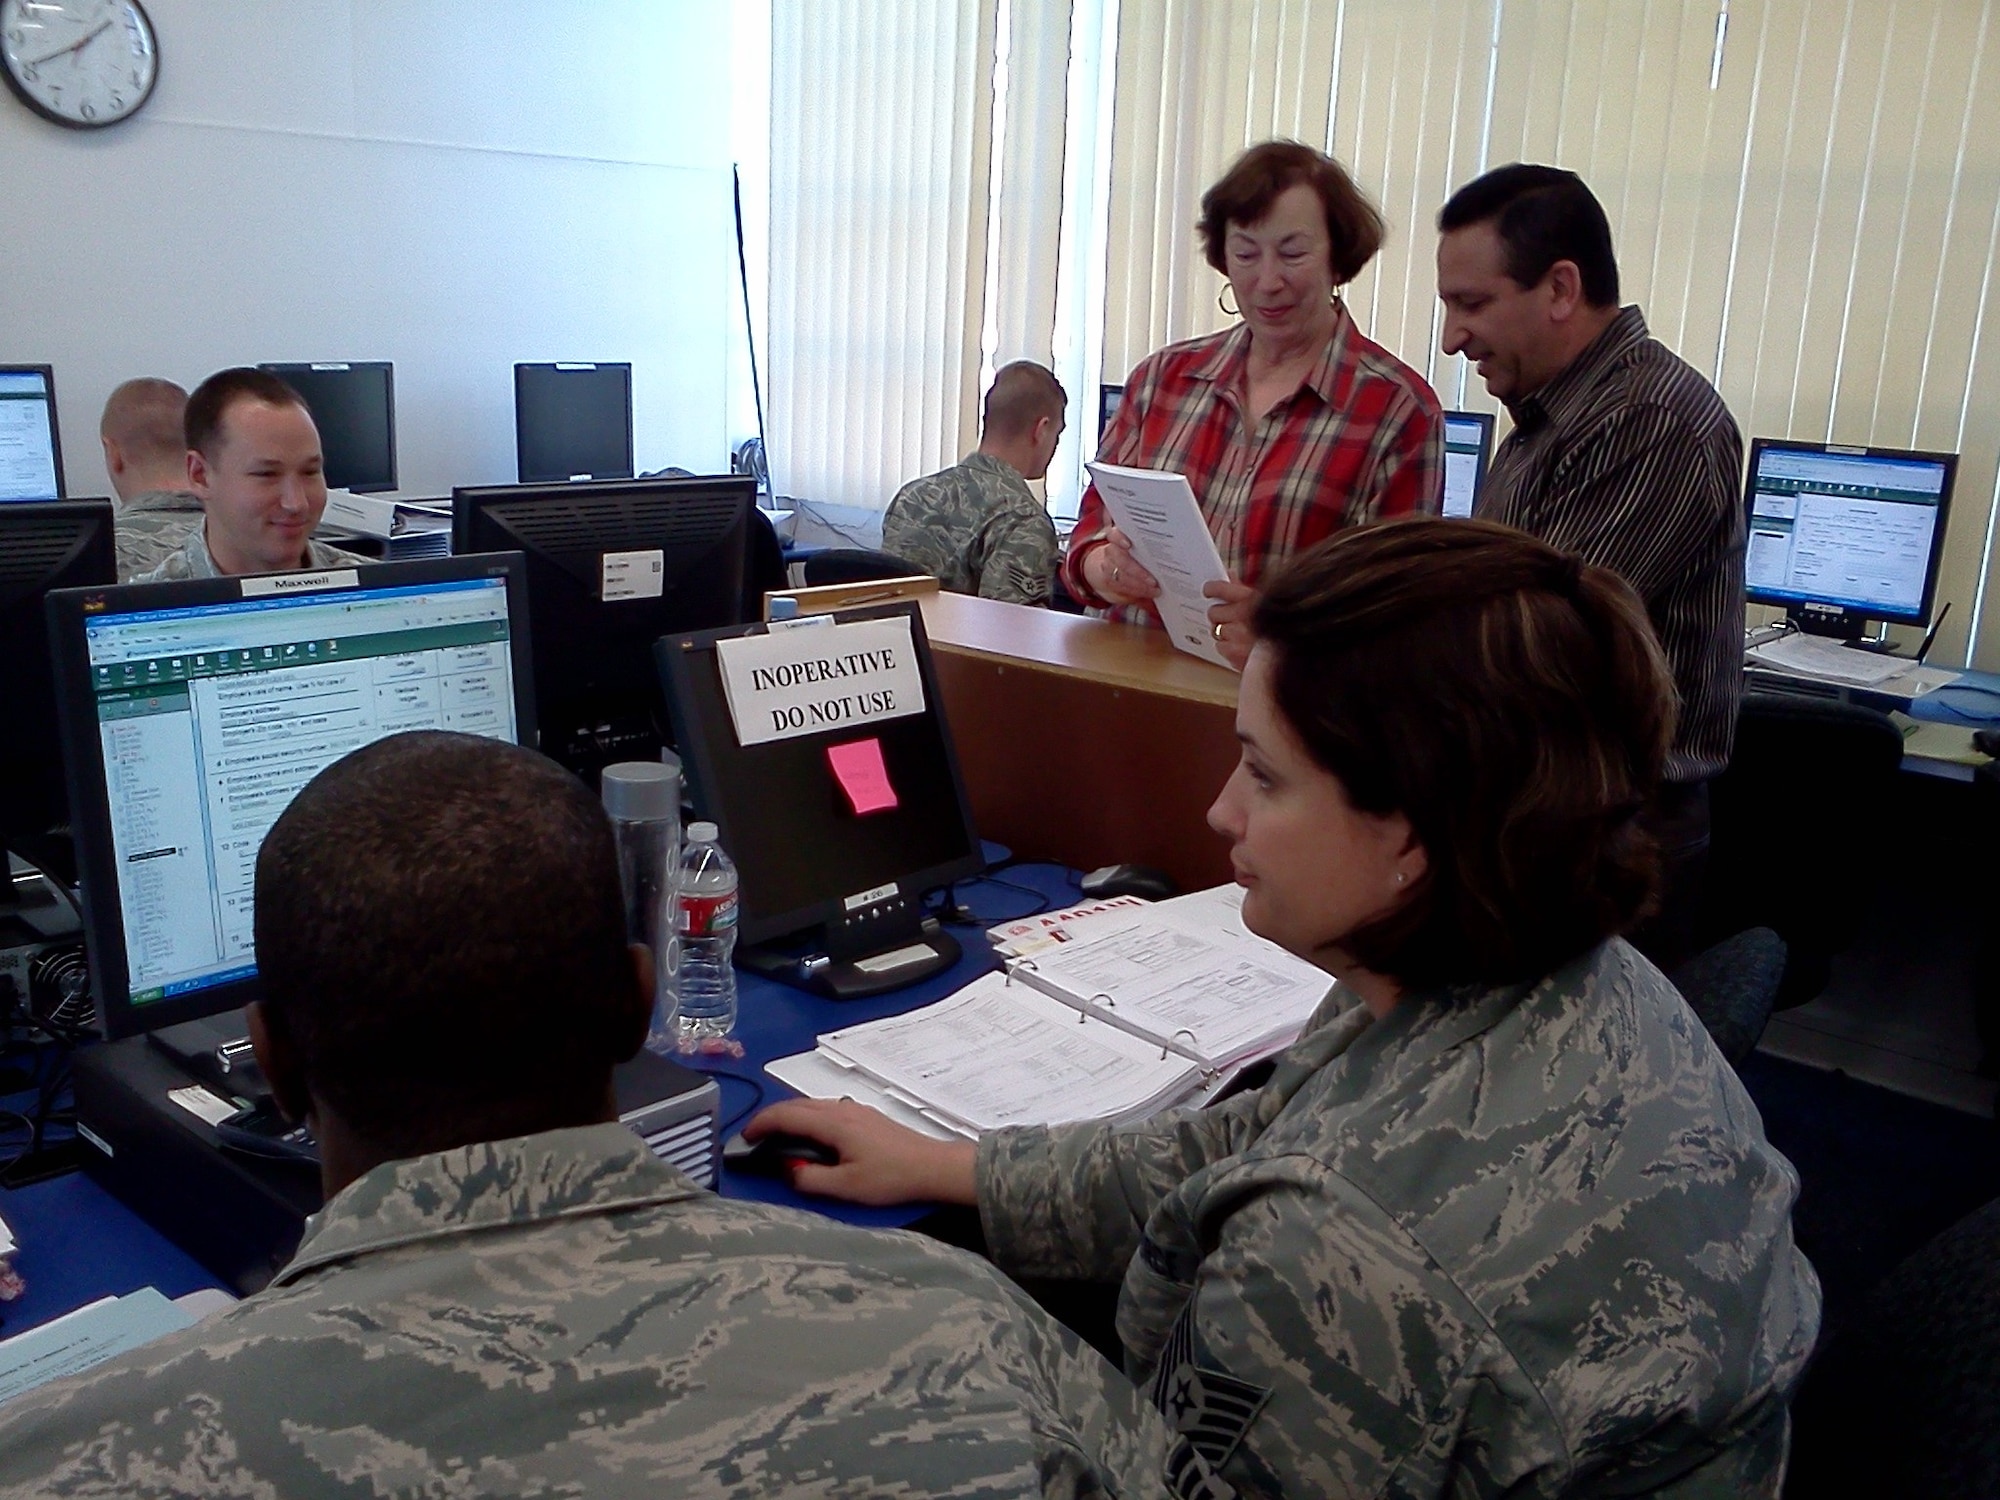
(30, 441)
(572, 421)
(1468, 447)
(44, 545)
(1844, 537)
(354, 407)
(192, 712)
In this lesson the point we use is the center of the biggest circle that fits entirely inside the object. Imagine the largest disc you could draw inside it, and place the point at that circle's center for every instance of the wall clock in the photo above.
(81, 63)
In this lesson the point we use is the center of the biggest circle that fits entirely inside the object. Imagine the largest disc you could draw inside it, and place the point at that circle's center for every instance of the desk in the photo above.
(1944, 707)
(79, 1243)
(1085, 741)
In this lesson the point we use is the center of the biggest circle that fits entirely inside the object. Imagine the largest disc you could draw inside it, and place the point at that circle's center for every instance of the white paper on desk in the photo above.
(1217, 909)
(996, 1054)
(818, 1076)
(1828, 661)
(1157, 512)
(74, 1342)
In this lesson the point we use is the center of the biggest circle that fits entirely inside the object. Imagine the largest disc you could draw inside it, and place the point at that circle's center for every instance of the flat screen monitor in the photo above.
(193, 712)
(831, 897)
(44, 545)
(611, 568)
(572, 421)
(1468, 448)
(1109, 399)
(30, 441)
(354, 407)
(1842, 537)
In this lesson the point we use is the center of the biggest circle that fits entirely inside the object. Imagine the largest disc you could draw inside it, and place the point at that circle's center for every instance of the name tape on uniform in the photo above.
(796, 682)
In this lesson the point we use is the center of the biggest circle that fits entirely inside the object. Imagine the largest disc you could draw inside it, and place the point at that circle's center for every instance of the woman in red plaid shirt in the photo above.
(1289, 426)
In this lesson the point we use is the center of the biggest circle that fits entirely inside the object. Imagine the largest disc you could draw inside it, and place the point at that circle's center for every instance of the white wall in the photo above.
(454, 186)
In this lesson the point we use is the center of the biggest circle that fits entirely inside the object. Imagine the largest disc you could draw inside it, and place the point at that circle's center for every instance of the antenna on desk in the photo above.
(1931, 635)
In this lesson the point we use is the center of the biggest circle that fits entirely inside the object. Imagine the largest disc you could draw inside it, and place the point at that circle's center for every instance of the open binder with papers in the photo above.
(1136, 1013)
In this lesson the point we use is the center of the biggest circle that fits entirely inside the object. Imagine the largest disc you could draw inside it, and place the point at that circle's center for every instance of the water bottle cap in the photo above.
(641, 791)
(703, 832)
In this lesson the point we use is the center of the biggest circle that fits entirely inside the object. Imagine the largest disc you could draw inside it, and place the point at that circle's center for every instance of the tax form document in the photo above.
(1157, 512)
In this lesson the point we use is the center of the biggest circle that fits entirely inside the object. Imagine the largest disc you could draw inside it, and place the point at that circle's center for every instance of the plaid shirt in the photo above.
(1361, 439)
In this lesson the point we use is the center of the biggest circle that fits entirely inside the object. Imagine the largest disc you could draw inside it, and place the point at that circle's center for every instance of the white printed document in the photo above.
(1827, 660)
(1157, 512)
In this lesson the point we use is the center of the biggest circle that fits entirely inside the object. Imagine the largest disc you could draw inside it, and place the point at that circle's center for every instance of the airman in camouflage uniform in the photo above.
(191, 559)
(977, 527)
(563, 1314)
(150, 526)
(1527, 1241)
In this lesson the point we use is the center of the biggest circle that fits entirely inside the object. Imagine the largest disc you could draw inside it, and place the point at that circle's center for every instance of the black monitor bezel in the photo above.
(1853, 615)
(48, 374)
(284, 371)
(97, 533)
(521, 474)
(699, 759)
(1104, 395)
(90, 810)
(1487, 424)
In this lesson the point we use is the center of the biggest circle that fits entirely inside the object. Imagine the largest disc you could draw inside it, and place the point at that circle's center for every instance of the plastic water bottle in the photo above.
(643, 799)
(706, 925)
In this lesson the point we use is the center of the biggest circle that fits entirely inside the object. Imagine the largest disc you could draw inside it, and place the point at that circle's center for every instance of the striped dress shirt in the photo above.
(1362, 438)
(1629, 459)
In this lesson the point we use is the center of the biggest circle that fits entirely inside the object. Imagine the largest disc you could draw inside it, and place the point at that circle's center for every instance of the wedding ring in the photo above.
(1114, 572)
(1216, 631)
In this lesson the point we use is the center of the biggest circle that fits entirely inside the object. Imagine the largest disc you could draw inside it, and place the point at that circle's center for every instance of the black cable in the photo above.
(756, 1087)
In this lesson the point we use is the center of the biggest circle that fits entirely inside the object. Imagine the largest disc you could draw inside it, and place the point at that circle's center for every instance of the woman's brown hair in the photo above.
(1508, 699)
(1247, 190)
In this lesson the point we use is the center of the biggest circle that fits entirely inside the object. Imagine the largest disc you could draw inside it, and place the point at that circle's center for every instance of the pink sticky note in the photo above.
(858, 767)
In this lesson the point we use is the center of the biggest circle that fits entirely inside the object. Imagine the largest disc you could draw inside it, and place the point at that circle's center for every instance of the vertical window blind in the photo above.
(1805, 200)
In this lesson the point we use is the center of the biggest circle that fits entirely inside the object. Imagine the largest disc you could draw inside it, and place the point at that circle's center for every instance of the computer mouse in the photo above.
(1129, 880)
(776, 1154)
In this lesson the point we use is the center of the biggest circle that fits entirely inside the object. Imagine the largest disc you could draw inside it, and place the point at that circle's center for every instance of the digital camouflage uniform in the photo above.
(977, 527)
(564, 1315)
(1528, 1241)
(150, 525)
(191, 559)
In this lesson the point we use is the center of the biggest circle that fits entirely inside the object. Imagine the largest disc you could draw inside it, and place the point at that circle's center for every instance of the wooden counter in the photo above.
(1085, 741)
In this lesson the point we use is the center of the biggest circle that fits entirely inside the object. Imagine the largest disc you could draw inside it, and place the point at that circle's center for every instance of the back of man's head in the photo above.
(202, 426)
(1541, 215)
(1021, 395)
(441, 941)
(143, 420)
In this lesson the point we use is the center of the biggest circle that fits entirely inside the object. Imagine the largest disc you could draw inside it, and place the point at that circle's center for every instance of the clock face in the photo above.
(83, 63)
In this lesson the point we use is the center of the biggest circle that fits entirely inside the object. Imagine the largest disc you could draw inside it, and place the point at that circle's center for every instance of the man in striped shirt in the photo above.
(1621, 452)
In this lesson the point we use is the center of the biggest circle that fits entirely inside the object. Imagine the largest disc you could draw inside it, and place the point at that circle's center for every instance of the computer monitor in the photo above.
(1844, 537)
(192, 713)
(572, 421)
(611, 568)
(353, 404)
(30, 441)
(44, 545)
(1468, 447)
(831, 897)
(1109, 399)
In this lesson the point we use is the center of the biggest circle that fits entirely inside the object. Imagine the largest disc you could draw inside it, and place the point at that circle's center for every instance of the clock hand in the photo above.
(76, 46)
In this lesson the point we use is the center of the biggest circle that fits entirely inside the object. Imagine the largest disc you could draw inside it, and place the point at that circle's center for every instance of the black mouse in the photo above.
(1129, 880)
(776, 1154)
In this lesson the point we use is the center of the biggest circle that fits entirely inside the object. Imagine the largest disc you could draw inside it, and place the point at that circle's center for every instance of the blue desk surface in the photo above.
(1973, 700)
(79, 1243)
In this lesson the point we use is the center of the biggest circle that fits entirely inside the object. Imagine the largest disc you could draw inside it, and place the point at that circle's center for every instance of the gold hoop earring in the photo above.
(1227, 287)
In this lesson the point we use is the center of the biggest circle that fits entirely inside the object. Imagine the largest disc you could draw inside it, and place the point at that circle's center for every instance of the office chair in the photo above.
(1732, 987)
(1801, 812)
(1904, 1399)
(855, 565)
(1986, 957)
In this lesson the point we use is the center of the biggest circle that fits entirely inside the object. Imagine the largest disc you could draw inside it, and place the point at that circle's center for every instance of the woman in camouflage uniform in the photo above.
(1502, 1221)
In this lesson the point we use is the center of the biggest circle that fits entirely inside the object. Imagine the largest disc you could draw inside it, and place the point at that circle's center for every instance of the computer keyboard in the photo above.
(261, 1130)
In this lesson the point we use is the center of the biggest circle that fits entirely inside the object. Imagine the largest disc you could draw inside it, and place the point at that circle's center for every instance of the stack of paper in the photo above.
(1827, 660)
(74, 1342)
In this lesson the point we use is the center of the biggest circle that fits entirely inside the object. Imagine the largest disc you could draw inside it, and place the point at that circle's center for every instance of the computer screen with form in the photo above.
(191, 723)
(1839, 536)
(1468, 444)
(30, 444)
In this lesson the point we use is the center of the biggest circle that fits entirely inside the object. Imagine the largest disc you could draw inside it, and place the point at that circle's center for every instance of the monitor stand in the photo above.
(1838, 625)
(893, 945)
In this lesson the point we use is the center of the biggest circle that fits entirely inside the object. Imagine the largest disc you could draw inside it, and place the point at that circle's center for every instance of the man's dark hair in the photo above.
(210, 403)
(1512, 703)
(441, 940)
(1022, 394)
(1252, 184)
(1542, 215)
